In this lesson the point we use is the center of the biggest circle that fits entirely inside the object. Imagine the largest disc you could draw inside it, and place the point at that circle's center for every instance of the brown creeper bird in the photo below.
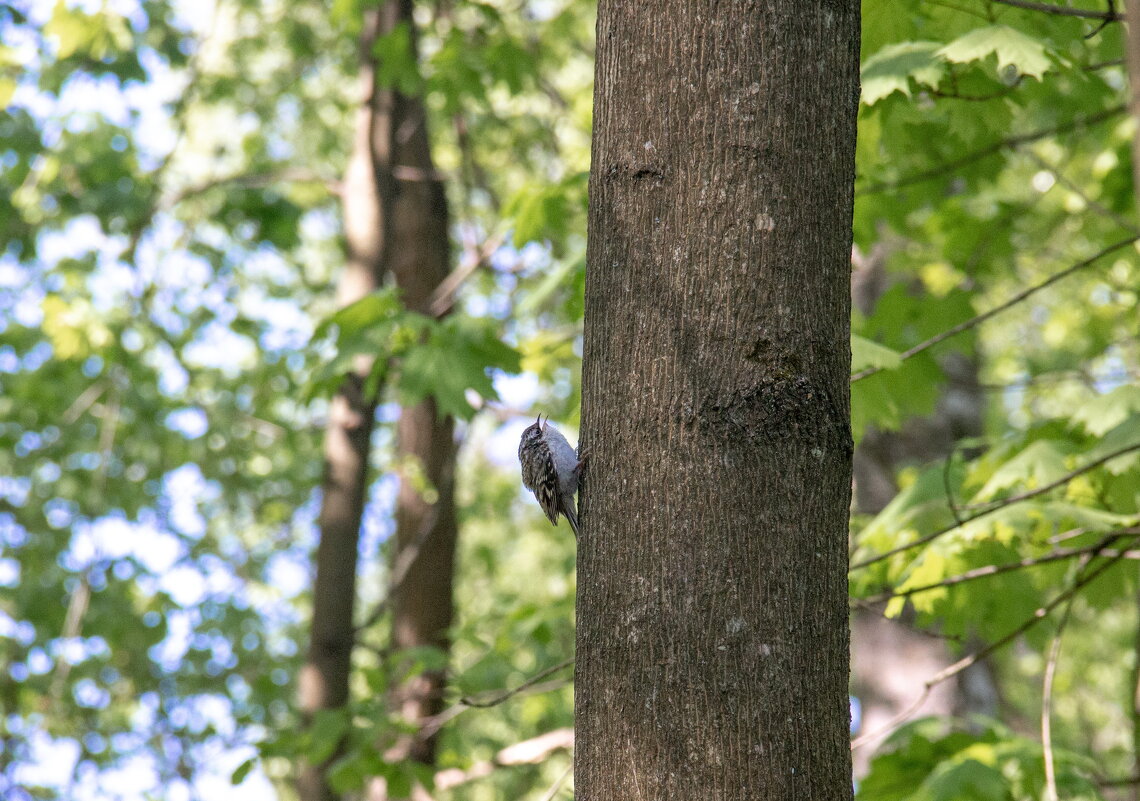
(550, 469)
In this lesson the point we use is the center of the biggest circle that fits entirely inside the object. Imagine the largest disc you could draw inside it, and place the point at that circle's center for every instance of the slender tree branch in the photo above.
(554, 788)
(1079, 192)
(1008, 143)
(508, 694)
(1033, 493)
(973, 12)
(254, 181)
(1047, 697)
(1110, 17)
(1125, 781)
(1064, 11)
(402, 564)
(1013, 301)
(1025, 496)
(443, 298)
(436, 722)
(994, 570)
(972, 659)
(956, 95)
(527, 752)
(869, 606)
(1135, 711)
(82, 403)
(1047, 705)
(946, 486)
(178, 116)
(1040, 614)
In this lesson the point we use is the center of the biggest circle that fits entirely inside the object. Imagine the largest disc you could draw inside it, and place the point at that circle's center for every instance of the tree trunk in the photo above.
(712, 644)
(367, 201)
(425, 526)
(396, 221)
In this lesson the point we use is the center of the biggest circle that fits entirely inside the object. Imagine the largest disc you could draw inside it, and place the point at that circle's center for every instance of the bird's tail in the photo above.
(571, 514)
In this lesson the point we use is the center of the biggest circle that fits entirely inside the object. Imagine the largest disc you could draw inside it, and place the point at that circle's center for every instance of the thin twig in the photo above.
(1047, 705)
(1126, 781)
(528, 752)
(947, 486)
(405, 558)
(1033, 493)
(77, 608)
(82, 403)
(979, 98)
(1040, 614)
(989, 150)
(436, 722)
(1079, 192)
(995, 570)
(1104, 23)
(1025, 496)
(1013, 301)
(253, 181)
(507, 694)
(1063, 11)
(1135, 711)
(871, 607)
(554, 788)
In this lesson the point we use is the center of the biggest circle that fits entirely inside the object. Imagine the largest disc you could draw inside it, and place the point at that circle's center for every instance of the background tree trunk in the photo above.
(425, 524)
(890, 659)
(712, 652)
(396, 221)
(367, 200)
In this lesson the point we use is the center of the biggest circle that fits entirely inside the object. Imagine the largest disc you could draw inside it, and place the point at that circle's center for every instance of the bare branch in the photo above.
(1013, 301)
(1033, 493)
(956, 95)
(1040, 614)
(869, 606)
(1126, 781)
(443, 298)
(996, 506)
(1079, 192)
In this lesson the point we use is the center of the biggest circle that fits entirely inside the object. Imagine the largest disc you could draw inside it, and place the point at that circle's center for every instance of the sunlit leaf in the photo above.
(894, 67)
(1012, 48)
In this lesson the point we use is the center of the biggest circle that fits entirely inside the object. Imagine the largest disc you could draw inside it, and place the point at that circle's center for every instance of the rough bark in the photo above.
(712, 652)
